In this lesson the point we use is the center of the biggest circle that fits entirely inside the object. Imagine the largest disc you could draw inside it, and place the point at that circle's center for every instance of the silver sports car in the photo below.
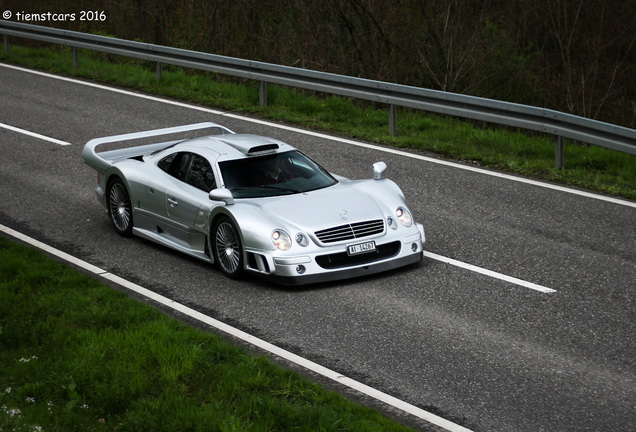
(254, 204)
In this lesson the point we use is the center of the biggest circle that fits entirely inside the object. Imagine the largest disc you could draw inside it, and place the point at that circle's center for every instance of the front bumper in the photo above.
(333, 263)
(347, 273)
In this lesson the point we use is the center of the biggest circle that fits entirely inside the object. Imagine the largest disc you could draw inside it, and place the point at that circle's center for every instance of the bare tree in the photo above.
(589, 56)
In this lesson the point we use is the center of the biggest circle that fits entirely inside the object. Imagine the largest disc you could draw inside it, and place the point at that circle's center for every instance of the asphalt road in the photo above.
(484, 352)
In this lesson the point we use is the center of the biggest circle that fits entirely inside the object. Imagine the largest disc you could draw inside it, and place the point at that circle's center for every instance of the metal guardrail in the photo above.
(559, 124)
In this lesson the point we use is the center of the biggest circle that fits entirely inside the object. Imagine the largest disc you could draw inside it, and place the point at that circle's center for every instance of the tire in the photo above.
(120, 207)
(227, 248)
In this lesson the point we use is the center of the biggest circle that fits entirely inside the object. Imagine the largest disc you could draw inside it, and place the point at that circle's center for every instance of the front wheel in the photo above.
(120, 207)
(227, 247)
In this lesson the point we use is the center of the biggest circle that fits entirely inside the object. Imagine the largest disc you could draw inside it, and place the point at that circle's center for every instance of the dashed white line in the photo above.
(35, 135)
(241, 335)
(490, 273)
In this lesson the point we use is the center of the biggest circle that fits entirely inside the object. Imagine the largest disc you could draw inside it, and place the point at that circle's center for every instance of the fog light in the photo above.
(414, 247)
(300, 269)
(302, 239)
(391, 223)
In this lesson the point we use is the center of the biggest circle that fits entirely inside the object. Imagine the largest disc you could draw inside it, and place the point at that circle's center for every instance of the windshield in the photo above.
(272, 175)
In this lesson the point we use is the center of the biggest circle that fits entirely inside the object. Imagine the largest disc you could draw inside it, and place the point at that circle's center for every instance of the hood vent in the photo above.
(262, 148)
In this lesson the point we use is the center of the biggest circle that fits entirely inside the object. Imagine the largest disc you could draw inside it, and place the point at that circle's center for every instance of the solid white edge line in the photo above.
(490, 273)
(35, 135)
(339, 139)
(115, 90)
(239, 334)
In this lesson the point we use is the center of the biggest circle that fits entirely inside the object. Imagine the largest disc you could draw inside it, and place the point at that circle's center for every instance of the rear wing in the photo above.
(103, 160)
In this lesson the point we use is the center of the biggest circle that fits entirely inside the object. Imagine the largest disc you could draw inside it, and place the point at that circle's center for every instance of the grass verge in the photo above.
(588, 167)
(76, 355)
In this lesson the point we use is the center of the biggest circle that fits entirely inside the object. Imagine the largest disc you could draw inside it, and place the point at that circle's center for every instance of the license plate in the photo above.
(361, 248)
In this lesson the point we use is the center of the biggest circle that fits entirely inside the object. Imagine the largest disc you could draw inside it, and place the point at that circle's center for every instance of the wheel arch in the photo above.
(109, 182)
(214, 217)
(214, 220)
(113, 173)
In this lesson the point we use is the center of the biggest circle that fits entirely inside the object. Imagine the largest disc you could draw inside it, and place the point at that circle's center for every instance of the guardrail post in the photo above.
(559, 156)
(75, 59)
(6, 43)
(262, 93)
(159, 71)
(392, 120)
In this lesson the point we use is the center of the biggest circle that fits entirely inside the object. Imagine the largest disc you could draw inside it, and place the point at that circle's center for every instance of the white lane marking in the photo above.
(490, 273)
(246, 337)
(35, 135)
(116, 90)
(339, 139)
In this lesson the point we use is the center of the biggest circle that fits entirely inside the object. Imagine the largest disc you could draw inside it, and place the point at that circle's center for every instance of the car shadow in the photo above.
(382, 277)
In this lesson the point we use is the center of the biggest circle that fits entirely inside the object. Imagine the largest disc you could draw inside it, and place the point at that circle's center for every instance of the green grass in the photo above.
(76, 355)
(587, 167)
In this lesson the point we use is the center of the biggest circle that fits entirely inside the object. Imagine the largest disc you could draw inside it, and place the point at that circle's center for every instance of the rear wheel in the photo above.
(120, 207)
(227, 247)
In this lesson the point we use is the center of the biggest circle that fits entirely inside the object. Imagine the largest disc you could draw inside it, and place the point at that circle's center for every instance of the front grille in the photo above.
(351, 231)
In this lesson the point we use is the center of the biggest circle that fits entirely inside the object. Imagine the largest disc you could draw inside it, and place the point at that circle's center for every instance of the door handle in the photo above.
(173, 202)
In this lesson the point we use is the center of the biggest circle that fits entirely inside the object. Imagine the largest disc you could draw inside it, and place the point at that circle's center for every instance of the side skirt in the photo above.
(157, 238)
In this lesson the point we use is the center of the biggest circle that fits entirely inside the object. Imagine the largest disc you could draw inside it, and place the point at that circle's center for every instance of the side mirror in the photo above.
(378, 170)
(222, 194)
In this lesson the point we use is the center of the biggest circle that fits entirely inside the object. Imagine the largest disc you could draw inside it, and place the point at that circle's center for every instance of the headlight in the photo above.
(391, 222)
(281, 240)
(404, 216)
(302, 239)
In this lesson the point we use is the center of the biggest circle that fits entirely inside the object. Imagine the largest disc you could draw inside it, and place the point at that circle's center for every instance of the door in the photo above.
(189, 192)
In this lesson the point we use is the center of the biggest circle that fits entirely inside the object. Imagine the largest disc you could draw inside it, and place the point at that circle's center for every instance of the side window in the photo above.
(201, 175)
(165, 163)
(176, 164)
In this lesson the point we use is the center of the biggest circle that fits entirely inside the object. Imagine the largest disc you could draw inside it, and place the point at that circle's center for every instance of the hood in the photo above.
(339, 204)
